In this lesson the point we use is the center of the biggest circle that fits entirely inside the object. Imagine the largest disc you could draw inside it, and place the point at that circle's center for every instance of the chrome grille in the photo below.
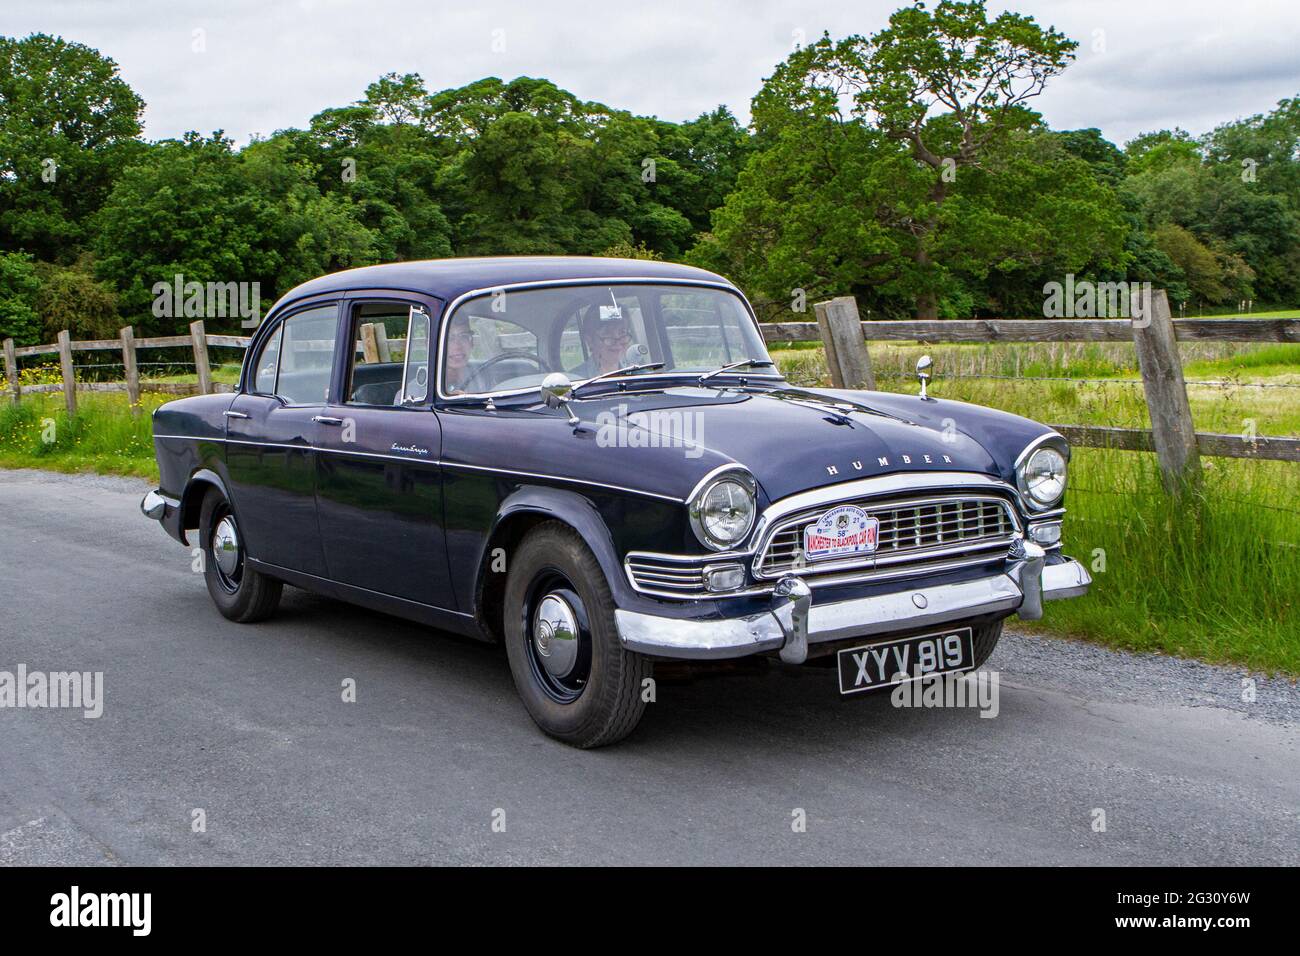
(921, 532)
(649, 574)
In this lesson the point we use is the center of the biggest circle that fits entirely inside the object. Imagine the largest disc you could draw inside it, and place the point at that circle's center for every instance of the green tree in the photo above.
(19, 287)
(68, 123)
(71, 298)
(935, 192)
(184, 210)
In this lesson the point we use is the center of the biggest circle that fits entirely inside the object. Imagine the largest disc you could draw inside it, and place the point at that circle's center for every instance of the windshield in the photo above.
(507, 341)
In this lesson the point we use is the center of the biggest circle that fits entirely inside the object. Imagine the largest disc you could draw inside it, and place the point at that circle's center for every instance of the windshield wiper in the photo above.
(748, 363)
(628, 370)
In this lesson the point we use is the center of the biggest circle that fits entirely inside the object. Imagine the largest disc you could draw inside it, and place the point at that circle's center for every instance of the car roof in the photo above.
(448, 278)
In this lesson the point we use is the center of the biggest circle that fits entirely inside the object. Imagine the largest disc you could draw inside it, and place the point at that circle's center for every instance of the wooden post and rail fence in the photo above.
(845, 338)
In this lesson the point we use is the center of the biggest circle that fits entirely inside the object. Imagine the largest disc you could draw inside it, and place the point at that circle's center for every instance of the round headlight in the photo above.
(1042, 476)
(723, 512)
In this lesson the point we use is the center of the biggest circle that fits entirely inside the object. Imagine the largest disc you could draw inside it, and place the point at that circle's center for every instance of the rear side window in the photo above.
(307, 356)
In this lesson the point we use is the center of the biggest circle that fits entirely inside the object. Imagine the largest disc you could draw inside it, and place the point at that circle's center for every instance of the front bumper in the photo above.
(794, 621)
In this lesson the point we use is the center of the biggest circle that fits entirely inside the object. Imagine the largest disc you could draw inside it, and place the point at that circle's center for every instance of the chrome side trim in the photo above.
(432, 461)
(579, 481)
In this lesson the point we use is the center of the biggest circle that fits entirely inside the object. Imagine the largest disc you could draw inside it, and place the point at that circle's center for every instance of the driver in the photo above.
(460, 342)
(607, 341)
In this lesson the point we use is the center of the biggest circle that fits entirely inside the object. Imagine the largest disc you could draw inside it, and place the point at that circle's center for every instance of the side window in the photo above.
(267, 364)
(379, 347)
(307, 356)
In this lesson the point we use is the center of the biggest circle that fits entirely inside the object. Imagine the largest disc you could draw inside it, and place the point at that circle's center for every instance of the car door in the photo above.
(271, 430)
(378, 480)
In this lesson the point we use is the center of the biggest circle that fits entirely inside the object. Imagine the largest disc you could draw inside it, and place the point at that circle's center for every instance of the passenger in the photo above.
(460, 342)
(607, 341)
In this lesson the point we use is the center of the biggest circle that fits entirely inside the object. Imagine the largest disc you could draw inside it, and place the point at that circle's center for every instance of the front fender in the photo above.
(574, 510)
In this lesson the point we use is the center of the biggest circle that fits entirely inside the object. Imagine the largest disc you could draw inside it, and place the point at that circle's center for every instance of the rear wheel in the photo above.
(569, 666)
(239, 592)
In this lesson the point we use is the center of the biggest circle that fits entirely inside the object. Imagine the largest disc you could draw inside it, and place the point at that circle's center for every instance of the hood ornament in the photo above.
(923, 366)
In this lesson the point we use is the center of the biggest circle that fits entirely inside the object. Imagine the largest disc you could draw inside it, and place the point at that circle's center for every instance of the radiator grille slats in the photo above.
(910, 531)
(653, 575)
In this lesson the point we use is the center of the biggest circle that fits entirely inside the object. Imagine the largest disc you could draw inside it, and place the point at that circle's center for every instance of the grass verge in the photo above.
(103, 437)
(1219, 581)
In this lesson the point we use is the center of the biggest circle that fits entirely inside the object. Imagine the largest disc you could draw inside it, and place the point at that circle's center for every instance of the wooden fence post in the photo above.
(369, 343)
(381, 342)
(846, 349)
(69, 379)
(1172, 431)
(200, 339)
(11, 370)
(132, 373)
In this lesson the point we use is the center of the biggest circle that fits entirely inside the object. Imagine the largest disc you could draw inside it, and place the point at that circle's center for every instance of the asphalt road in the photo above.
(248, 724)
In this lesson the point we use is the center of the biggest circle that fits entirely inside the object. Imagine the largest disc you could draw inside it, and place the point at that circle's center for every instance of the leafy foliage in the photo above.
(905, 167)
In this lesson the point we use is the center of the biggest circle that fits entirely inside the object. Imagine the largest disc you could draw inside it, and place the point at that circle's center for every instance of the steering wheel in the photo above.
(507, 355)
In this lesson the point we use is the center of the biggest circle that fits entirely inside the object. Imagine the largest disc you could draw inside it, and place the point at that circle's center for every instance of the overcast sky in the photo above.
(271, 64)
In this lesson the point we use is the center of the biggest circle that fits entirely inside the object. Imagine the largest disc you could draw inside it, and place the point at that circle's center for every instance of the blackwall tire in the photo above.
(585, 690)
(240, 593)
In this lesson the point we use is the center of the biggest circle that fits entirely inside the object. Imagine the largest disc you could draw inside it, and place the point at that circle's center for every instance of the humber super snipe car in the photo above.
(595, 462)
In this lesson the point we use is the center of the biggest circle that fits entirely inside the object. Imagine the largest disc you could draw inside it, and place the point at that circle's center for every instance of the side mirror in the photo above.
(923, 366)
(557, 391)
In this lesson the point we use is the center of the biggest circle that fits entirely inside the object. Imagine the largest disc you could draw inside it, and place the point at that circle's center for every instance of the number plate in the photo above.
(842, 531)
(896, 662)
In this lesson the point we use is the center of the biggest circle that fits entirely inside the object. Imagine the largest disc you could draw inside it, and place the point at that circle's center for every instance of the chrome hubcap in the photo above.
(225, 546)
(555, 635)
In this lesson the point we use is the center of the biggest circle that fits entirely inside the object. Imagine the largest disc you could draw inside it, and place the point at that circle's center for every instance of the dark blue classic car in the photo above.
(596, 463)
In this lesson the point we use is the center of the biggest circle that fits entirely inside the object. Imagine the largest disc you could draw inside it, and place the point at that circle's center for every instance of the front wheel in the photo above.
(239, 592)
(575, 678)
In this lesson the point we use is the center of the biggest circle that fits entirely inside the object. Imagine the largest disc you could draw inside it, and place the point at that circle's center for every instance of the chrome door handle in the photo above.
(230, 414)
(327, 420)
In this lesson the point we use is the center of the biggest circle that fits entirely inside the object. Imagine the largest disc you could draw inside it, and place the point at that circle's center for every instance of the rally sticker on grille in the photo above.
(841, 531)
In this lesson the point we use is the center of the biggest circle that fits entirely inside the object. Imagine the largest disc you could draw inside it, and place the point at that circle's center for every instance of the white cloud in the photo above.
(269, 66)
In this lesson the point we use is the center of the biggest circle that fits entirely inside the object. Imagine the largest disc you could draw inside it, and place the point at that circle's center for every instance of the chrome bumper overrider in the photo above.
(154, 505)
(793, 621)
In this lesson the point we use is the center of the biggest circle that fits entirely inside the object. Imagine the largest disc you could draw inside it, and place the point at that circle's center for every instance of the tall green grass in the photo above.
(1215, 577)
(102, 437)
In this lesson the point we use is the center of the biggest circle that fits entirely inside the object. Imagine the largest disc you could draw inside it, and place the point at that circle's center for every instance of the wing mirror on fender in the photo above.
(557, 391)
(923, 366)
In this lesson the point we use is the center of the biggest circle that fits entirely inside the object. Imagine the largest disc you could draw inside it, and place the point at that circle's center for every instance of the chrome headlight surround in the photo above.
(1051, 453)
(732, 479)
